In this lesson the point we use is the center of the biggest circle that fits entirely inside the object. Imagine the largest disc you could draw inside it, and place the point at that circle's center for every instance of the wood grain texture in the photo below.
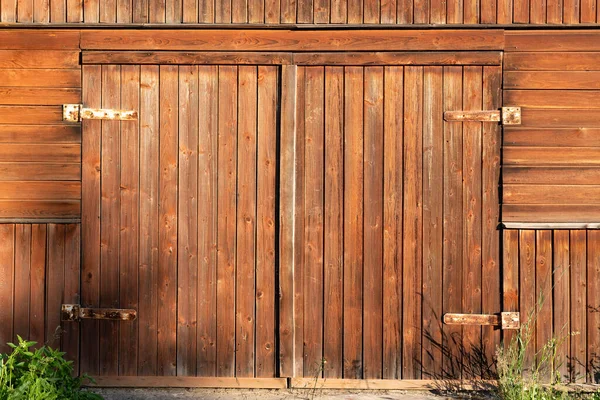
(192, 58)
(398, 58)
(552, 61)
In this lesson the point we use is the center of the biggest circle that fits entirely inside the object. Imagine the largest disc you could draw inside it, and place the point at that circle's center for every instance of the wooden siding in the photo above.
(273, 12)
(40, 156)
(553, 278)
(550, 161)
(39, 271)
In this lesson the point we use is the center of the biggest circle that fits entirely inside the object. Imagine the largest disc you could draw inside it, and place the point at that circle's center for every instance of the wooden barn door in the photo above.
(396, 221)
(179, 220)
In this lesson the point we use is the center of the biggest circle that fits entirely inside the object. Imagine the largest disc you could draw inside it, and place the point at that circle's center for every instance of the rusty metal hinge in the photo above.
(508, 116)
(505, 320)
(74, 312)
(76, 113)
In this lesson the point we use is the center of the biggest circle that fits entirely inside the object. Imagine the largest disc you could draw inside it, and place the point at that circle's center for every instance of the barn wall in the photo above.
(402, 12)
(40, 170)
(39, 271)
(551, 163)
(553, 278)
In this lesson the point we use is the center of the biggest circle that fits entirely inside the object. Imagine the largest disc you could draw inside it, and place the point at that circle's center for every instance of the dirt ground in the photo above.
(262, 394)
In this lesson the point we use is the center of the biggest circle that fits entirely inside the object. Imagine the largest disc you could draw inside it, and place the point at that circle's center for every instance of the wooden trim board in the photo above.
(389, 384)
(186, 57)
(189, 382)
(400, 58)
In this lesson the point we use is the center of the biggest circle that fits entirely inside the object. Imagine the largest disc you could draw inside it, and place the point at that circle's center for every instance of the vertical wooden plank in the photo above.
(521, 11)
(373, 221)
(109, 223)
(173, 11)
(593, 309)
(272, 11)
(537, 12)
(288, 11)
(393, 109)
(510, 275)
(287, 211)
(355, 11)
(7, 268)
(571, 11)
(413, 222)
(8, 11)
(471, 11)
(561, 304)
(321, 11)
(54, 283)
(157, 11)
(353, 222)
(505, 11)
(206, 9)
(25, 10)
(70, 334)
(371, 12)
(333, 225)
(455, 12)
(453, 221)
(239, 10)
(255, 11)
(339, 11)
(187, 216)
(404, 12)
(266, 217)
(190, 11)
(226, 200)
(167, 215)
(305, 12)
(208, 84)
(90, 217)
(124, 11)
(149, 220)
(554, 11)
(37, 303)
(223, 11)
(41, 11)
(438, 12)
(578, 361)
(433, 184)
(245, 285)
(472, 132)
(108, 11)
(490, 235)
(543, 289)
(75, 11)
(313, 220)
(22, 262)
(527, 293)
(129, 219)
(140, 11)
(488, 12)
(58, 11)
(588, 12)
(388, 11)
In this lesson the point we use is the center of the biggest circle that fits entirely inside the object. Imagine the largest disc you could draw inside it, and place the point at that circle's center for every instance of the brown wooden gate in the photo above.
(179, 220)
(396, 220)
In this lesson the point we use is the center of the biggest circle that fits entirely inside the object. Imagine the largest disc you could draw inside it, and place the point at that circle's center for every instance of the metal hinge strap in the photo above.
(505, 320)
(508, 116)
(74, 312)
(76, 113)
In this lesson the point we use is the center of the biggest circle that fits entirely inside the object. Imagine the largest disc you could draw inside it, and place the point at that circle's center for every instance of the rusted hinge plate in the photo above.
(76, 113)
(505, 320)
(74, 312)
(508, 116)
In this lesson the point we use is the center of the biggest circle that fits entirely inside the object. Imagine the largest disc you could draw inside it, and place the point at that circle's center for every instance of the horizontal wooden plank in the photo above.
(40, 133)
(39, 172)
(552, 61)
(481, 116)
(32, 39)
(65, 153)
(560, 118)
(30, 115)
(550, 194)
(546, 40)
(55, 59)
(36, 190)
(189, 382)
(550, 213)
(400, 58)
(185, 57)
(55, 78)
(553, 98)
(287, 40)
(551, 137)
(552, 80)
(34, 209)
(551, 155)
(551, 175)
(39, 96)
(551, 225)
(386, 384)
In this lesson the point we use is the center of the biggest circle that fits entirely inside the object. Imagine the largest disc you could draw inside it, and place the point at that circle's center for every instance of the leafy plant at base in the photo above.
(44, 373)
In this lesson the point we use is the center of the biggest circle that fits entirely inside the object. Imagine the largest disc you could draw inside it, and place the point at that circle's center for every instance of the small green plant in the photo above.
(31, 374)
